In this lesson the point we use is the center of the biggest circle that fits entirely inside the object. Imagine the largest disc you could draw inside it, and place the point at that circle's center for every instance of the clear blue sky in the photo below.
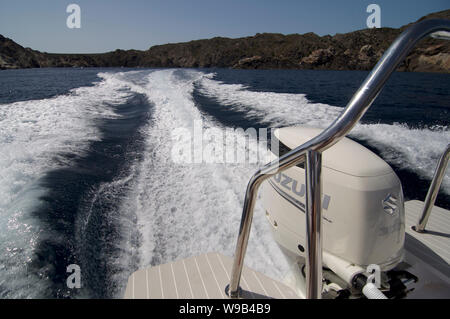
(138, 24)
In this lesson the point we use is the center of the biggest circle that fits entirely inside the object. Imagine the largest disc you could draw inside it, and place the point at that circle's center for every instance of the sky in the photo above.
(107, 25)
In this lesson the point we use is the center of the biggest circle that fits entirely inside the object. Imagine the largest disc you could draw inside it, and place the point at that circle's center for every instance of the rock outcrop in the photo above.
(358, 50)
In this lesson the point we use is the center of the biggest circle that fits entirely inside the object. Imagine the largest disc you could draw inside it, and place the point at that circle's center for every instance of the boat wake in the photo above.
(136, 206)
(36, 137)
(417, 150)
(189, 209)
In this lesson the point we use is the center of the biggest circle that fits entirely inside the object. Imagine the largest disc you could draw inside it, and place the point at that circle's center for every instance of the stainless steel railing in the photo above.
(433, 190)
(311, 151)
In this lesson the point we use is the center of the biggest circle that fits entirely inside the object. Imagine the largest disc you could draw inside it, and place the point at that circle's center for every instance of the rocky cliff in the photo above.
(359, 50)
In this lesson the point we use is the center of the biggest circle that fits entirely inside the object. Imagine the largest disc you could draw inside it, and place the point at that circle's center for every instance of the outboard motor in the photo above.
(362, 209)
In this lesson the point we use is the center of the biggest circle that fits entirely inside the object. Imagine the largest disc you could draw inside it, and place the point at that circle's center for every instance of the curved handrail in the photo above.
(312, 150)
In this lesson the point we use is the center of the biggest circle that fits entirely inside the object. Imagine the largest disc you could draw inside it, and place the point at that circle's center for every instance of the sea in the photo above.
(88, 176)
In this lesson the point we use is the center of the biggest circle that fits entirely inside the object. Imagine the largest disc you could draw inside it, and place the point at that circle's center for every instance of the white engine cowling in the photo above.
(362, 207)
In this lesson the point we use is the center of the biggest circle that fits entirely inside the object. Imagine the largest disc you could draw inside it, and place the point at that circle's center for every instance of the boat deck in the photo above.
(427, 255)
(437, 232)
(201, 277)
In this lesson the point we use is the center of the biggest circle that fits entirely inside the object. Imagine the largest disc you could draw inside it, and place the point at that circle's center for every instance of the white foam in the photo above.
(34, 137)
(415, 149)
(182, 210)
(278, 109)
(185, 210)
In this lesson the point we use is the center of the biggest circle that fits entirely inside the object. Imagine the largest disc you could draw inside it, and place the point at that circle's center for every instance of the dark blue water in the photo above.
(32, 84)
(80, 214)
(418, 99)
